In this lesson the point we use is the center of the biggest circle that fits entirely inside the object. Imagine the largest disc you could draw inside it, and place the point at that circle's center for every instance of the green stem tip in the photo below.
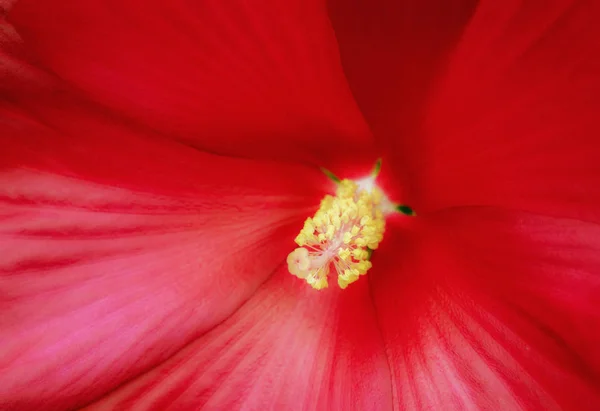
(376, 168)
(331, 175)
(406, 210)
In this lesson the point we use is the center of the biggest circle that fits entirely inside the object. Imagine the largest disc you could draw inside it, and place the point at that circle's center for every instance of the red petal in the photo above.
(5, 5)
(119, 248)
(247, 79)
(391, 51)
(515, 120)
(492, 310)
(289, 347)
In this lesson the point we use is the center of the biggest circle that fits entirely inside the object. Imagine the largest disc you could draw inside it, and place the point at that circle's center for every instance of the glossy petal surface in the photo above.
(250, 79)
(492, 309)
(119, 248)
(289, 347)
(514, 122)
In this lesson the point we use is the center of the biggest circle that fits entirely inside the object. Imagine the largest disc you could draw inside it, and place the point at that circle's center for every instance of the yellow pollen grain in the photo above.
(339, 236)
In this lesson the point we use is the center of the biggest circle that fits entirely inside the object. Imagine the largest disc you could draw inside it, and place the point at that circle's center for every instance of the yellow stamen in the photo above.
(340, 234)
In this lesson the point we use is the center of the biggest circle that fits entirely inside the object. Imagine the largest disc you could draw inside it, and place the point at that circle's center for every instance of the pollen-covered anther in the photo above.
(339, 236)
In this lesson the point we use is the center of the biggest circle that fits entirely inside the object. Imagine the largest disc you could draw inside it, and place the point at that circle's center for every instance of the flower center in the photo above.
(341, 235)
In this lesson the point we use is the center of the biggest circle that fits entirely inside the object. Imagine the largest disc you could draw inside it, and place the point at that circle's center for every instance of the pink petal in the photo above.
(259, 79)
(514, 122)
(491, 309)
(120, 248)
(289, 347)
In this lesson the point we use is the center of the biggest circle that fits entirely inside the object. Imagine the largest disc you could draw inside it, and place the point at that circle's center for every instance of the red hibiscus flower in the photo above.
(158, 160)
